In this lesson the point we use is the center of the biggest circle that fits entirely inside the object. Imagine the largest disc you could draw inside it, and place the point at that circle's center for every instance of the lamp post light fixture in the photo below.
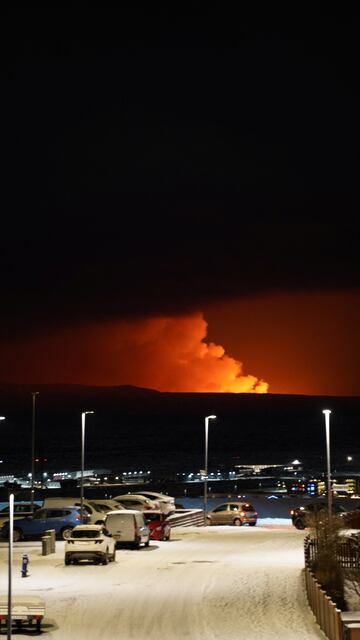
(83, 417)
(326, 413)
(206, 460)
(34, 394)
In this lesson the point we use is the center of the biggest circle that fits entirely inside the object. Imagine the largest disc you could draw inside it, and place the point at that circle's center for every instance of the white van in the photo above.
(96, 515)
(128, 527)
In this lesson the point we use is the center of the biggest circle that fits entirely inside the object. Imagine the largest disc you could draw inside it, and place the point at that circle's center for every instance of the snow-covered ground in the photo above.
(223, 583)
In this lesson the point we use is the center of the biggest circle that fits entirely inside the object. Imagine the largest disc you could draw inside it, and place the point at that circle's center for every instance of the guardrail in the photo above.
(187, 518)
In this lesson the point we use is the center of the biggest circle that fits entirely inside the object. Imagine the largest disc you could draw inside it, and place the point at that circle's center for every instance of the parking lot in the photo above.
(213, 582)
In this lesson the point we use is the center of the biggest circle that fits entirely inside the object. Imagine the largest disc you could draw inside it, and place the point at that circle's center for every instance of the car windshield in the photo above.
(152, 517)
(85, 533)
(100, 507)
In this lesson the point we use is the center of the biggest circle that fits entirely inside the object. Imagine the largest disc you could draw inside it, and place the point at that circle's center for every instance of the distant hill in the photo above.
(133, 426)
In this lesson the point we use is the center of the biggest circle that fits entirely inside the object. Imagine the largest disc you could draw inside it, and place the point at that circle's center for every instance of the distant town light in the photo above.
(349, 458)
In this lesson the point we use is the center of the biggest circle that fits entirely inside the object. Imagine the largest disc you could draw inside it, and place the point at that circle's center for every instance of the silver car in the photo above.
(236, 513)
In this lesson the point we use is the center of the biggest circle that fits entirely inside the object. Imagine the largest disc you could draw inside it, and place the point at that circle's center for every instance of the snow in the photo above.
(207, 583)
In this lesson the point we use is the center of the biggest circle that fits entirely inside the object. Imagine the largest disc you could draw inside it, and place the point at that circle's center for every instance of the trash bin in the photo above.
(46, 545)
(51, 533)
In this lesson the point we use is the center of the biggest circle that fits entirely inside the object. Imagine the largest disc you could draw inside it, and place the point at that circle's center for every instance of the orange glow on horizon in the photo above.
(163, 353)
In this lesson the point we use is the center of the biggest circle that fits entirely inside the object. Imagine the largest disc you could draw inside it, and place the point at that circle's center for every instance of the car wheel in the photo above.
(66, 532)
(67, 560)
(252, 524)
(237, 522)
(106, 557)
(147, 543)
(17, 535)
(136, 545)
(299, 524)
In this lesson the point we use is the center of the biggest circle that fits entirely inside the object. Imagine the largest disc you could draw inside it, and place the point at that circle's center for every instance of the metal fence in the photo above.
(187, 518)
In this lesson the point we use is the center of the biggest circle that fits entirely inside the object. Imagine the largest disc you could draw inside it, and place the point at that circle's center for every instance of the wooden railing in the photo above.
(327, 615)
(337, 625)
(347, 552)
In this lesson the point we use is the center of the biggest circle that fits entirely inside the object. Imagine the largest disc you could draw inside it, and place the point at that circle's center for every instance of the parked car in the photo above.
(137, 502)
(302, 516)
(236, 513)
(105, 505)
(96, 514)
(128, 527)
(166, 503)
(158, 524)
(21, 510)
(62, 519)
(90, 542)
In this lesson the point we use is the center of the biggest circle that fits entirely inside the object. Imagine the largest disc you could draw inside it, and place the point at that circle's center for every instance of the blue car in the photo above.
(62, 519)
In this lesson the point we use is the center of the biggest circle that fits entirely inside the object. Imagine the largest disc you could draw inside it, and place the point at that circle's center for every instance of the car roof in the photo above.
(131, 495)
(154, 493)
(243, 502)
(89, 527)
(122, 511)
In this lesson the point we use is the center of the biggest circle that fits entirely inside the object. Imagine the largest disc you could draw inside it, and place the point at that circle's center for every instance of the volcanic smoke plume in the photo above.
(164, 353)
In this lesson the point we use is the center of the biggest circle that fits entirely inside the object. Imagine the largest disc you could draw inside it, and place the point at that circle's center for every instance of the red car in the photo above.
(158, 524)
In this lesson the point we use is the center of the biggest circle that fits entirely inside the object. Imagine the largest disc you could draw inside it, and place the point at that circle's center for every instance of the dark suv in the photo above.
(301, 516)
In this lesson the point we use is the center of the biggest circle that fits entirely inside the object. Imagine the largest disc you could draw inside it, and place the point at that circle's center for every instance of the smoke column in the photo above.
(163, 353)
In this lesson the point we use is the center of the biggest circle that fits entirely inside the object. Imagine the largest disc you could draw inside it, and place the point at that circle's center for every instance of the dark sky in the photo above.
(158, 167)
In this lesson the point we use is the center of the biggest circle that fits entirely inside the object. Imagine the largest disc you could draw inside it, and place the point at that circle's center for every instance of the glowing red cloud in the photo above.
(167, 354)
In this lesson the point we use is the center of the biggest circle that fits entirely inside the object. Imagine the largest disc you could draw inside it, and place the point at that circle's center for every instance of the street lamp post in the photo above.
(34, 394)
(206, 460)
(326, 413)
(10, 562)
(83, 417)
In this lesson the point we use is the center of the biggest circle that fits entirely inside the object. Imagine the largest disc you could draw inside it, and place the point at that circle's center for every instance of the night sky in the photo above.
(180, 201)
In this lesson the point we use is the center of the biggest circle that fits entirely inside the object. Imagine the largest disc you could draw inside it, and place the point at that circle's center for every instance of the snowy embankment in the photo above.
(207, 583)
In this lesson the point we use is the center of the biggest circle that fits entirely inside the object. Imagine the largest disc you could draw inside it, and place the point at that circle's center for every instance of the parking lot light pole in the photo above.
(326, 413)
(34, 394)
(206, 461)
(10, 562)
(83, 417)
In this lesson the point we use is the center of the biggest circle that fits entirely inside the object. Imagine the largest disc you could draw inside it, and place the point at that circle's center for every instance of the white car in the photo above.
(137, 502)
(167, 503)
(105, 505)
(90, 542)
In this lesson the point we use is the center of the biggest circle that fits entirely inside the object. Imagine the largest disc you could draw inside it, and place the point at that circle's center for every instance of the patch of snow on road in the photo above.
(207, 583)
